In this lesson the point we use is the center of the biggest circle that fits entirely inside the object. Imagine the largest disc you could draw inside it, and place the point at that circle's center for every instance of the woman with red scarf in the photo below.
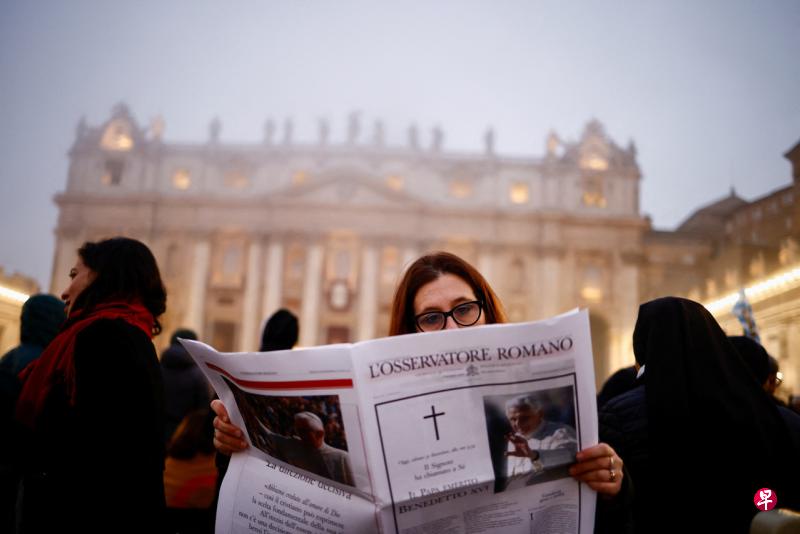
(91, 411)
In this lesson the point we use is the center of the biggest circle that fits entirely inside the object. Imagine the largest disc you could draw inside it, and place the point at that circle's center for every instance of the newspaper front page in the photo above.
(459, 431)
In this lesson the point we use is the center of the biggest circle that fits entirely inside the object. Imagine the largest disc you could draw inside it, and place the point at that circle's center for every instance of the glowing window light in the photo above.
(10, 294)
(759, 291)
(520, 193)
(395, 182)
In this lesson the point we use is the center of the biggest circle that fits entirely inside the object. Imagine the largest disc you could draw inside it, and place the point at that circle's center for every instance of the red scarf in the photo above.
(57, 362)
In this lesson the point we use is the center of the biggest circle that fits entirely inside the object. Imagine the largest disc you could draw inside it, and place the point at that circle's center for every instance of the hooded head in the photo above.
(183, 333)
(41, 319)
(280, 332)
(754, 355)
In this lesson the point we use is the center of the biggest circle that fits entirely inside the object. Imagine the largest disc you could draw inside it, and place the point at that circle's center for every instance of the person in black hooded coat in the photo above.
(185, 387)
(41, 318)
(758, 361)
(698, 436)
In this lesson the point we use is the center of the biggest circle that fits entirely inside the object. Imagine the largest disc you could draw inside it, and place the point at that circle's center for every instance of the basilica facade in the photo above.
(325, 228)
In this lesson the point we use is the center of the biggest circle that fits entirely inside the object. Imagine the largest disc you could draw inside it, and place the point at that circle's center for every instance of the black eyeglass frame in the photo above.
(447, 314)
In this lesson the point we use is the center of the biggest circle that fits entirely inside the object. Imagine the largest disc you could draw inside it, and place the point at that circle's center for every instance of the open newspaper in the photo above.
(459, 431)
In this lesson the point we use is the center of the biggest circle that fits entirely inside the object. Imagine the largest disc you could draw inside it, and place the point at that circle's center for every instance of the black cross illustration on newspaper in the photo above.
(433, 416)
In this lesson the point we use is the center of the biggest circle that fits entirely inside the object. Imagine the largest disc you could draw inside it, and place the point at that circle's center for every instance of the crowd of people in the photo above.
(108, 436)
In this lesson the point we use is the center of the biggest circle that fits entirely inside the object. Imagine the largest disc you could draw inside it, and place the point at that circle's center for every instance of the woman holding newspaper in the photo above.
(100, 372)
(441, 291)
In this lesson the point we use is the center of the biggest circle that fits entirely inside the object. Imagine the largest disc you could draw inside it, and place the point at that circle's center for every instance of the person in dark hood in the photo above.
(41, 318)
(697, 433)
(759, 361)
(280, 331)
(618, 383)
(185, 387)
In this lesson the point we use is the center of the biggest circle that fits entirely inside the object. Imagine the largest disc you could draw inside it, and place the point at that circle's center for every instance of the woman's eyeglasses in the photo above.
(465, 314)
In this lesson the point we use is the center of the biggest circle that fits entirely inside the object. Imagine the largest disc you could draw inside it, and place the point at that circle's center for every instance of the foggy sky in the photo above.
(708, 90)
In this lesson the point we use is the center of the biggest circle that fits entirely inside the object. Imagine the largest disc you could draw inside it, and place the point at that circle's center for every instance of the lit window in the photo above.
(592, 290)
(117, 136)
(460, 189)
(592, 294)
(395, 182)
(594, 198)
(113, 172)
(520, 193)
(594, 163)
(299, 178)
(181, 179)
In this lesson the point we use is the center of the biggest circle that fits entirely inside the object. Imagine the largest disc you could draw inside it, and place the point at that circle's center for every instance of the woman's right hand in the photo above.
(228, 438)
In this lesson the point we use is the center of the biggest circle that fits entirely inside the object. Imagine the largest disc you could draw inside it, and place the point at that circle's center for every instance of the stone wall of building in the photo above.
(325, 229)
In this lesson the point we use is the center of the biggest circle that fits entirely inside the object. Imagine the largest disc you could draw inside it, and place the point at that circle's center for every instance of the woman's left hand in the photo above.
(600, 467)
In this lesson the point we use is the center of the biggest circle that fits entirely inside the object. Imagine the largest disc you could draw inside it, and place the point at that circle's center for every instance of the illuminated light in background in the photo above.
(182, 179)
(520, 193)
(769, 287)
(10, 294)
(592, 294)
(395, 182)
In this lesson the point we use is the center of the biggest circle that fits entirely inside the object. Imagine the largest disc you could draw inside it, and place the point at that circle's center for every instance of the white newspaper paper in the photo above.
(412, 434)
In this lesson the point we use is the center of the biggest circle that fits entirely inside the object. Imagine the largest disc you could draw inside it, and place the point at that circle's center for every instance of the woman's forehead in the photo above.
(443, 292)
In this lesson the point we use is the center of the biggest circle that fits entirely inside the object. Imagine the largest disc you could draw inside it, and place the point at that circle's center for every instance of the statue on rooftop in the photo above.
(378, 134)
(488, 141)
(269, 131)
(353, 127)
(413, 137)
(324, 131)
(214, 129)
(437, 139)
(288, 131)
(157, 126)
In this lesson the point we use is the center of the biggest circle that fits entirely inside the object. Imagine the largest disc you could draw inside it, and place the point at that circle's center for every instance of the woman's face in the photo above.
(444, 294)
(81, 277)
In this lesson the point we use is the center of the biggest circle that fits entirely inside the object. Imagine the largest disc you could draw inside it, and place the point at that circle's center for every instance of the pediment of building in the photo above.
(348, 190)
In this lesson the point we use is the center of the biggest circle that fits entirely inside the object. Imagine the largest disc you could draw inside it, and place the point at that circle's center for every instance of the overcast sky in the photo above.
(708, 90)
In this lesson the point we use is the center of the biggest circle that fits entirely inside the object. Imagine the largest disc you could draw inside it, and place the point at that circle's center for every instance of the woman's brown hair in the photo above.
(125, 269)
(427, 269)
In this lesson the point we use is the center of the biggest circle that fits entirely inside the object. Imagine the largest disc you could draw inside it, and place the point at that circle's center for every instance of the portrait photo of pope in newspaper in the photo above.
(532, 436)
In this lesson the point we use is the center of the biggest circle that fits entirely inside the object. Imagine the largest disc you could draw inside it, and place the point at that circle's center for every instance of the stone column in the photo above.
(625, 293)
(410, 254)
(368, 293)
(250, 316)
(548, 284)
(486, 264)
(195, 308)
(309, 313)
(273, 286)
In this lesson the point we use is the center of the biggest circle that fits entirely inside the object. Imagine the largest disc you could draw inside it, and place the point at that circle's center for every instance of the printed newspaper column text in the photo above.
(436, 465)
(284, 512)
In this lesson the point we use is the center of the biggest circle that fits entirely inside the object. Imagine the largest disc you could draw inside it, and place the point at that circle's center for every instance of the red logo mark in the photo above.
(765, 499)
